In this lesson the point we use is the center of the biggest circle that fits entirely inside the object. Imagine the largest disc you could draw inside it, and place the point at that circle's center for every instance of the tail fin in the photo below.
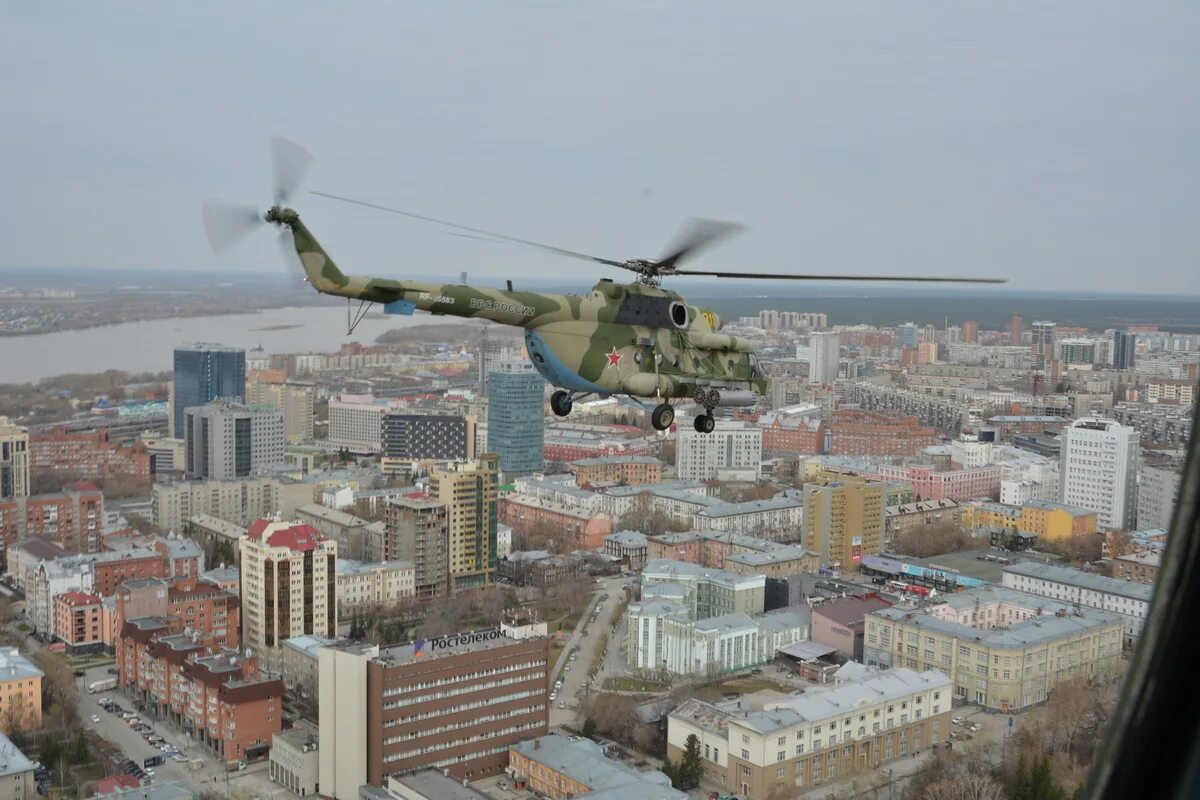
(320, 269)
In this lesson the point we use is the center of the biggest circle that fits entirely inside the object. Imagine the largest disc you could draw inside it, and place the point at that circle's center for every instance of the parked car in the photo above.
(94, 717)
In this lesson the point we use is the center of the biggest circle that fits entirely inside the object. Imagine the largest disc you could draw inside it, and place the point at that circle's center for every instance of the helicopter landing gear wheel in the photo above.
(704, 423)
(560, 403)
(662, 416)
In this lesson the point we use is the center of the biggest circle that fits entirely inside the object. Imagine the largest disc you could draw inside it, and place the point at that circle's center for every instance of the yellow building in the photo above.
(294, 400)
(844, 519)
(979, 514)
(469, 491)
(20, 692)
(1002, 648)
(1054, 521)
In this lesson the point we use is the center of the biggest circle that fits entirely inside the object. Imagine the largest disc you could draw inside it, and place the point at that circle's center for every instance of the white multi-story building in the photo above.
(365, 585)
(823, 352)
(238, 501)
(356, 420)
(1098, 463)
(731, 452)
(1128, 599)
(1158, 489)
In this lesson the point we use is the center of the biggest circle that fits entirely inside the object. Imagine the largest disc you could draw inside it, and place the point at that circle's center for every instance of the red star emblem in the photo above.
(614, 358)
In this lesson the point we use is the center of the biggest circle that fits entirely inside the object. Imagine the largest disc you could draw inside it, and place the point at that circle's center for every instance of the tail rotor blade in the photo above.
(287, 247)
(291, 162)
(226, 224)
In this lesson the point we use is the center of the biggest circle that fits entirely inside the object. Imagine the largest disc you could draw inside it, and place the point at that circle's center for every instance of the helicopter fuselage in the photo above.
(633, 339)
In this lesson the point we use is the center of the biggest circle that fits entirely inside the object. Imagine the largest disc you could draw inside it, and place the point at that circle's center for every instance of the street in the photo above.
(572, 690)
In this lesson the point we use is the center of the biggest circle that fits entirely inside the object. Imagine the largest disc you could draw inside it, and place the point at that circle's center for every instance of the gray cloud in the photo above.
(1053, 143)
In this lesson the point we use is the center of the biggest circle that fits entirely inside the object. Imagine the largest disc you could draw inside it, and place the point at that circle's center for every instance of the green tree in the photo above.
(50, 751)
(672, 772)
(690, 767)
(1041, 782)
(589, 728)
(79, 752)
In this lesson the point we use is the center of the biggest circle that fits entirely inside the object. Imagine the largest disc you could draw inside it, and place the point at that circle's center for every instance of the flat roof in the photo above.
(807, 651)
(433, 784)
(420, 649)
(1083, 580)
(582, 760)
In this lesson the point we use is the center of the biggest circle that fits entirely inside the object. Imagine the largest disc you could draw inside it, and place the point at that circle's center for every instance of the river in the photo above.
(147, 346)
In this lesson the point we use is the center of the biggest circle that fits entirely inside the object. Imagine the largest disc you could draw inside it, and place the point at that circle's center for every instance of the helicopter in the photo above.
(636, 341)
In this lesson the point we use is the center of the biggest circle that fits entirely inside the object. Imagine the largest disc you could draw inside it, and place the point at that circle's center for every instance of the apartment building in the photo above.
(469, 492)
(288, 585)
(1127, 599)
(871, 433)
(763, 746)
(631, 470)
(20, 692)
(731, 452)
(417, 531)
(219, 698)
(455, 703)
(363, 585)
(844, 520)
(73, 518)
(88, 455)
(77, 621)
(1099, 465)
(14, 460)
(237, 501)
(1003, 649)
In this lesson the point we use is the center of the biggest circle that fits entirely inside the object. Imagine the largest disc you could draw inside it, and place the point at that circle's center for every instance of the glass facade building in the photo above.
(206, 372)
(515, 418)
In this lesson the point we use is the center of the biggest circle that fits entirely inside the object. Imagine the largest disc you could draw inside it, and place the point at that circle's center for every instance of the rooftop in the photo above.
(582, 760)
(432, 783)
(347, 566)
(328, 514)
(308, 644)
(619, 459)
(12, 760)
(76, 598)
(851, 610)
(456, 644)
(627, 538)
(295, 536)
(13, 665)
(1083, 580)
(666, 569)
(217, 525)
(1050, 505)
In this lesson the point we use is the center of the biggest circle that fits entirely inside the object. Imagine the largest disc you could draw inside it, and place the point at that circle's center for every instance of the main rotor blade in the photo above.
(291, 162)
(697, 235)
(776, 276)
(225, 224)
(551, 248)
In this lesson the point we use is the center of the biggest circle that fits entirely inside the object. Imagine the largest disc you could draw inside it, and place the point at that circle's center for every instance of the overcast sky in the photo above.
(1053, 143)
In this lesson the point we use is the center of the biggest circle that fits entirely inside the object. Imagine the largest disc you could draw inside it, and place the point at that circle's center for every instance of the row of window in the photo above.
(433, 748)
(408, 701)
(465, 724)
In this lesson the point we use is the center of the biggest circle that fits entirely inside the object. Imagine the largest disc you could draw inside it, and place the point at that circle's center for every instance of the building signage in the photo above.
(459, 639)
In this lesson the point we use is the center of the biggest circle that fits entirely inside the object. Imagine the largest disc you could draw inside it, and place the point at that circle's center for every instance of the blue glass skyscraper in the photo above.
(203, 373)
(516, 411)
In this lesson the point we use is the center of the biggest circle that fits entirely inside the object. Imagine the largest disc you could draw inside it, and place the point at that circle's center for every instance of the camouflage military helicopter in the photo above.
(632, 340)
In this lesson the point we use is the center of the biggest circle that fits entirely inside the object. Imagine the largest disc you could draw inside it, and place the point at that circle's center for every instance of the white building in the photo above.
(664, 637)
(731, 452)
(226, 440)
(362, 585)
(1158, 489)
(1099, 460)
(16, 773)
(356, 420)
(294, 758)
(823, 351)
(1128, 599)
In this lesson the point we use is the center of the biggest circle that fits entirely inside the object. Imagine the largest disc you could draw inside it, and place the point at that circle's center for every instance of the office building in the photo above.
(469, 492)
(516, 411)
(356, 421)
(561, 767)
(844, 520)
(1042, 335)
(219, 698)
(226, 440)
(203, 373)
(1124, 346)
(1099, 461)
(14, 461)
(1003, 649)
(288, 585)
(293, 400)
(704, 591)
(824, 350)
(1158, 491)
(765, 745)
(20, 692)
(908, 335)
(1127, 599)
(239, 501)
(732, 452)
(455, 703)
(417, 531)
(428, 437)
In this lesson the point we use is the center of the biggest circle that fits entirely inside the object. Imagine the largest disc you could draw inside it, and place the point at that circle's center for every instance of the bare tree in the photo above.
(965, 787)
(931, 540)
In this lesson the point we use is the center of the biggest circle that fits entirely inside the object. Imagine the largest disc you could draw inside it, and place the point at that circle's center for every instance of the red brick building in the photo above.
(78, 621)
(218, 697)
(872, 433)
(88, 454)
(110, 574)
(803, 435)
(73, 518)
(581, 530)
(210, 612)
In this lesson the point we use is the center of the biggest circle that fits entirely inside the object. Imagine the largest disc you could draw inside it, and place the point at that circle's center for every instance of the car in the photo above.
(756, 671)
(956, 720)
(94, 717)
(180, 757)
(80, 673)
(112, 671)
(567, 668)
(241, 765)
(552, 696)
(149, 773)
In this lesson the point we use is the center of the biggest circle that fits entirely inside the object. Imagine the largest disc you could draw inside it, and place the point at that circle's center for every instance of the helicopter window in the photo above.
(695, 363)
(640, 309)
(637, 356)
(676, 360)
(538, 357)
(659, 359)
(679, 315)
